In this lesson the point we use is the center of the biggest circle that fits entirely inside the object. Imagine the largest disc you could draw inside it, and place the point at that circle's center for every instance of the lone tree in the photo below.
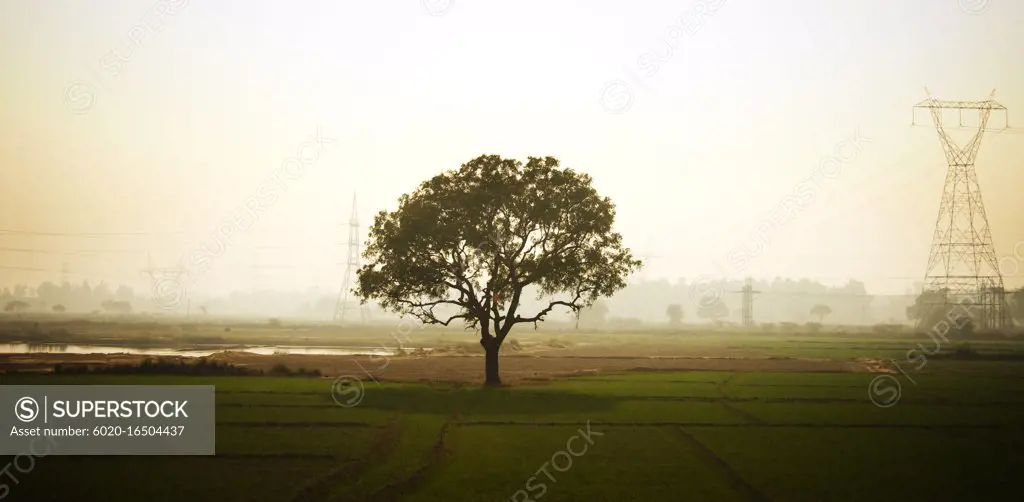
(821, 311)
(467, 242)
(675, 314)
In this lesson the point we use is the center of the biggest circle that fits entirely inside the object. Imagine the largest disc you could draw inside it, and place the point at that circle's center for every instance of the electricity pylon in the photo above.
(351, 267)
(747, 310)
(963, 271)
(167, 289)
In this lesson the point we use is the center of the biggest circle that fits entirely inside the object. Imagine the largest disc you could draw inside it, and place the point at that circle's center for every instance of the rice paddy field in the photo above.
(952, 431)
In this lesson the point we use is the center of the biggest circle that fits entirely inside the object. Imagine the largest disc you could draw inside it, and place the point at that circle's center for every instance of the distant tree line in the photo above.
(924, 313)
(68, 297)
(780, 300)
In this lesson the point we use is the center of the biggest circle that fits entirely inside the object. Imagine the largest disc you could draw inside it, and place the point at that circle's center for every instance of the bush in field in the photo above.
(279, 370)
(158, 366)
(789, 327)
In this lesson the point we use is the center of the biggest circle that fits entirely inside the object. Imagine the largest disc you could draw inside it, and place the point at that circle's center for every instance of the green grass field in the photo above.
(703, 436)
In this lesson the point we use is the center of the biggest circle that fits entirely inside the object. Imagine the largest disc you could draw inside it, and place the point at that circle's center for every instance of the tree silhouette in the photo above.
(714, 309)
(467, 242)
(924, 308)
(124, 293)
(16, 306)
(821, 311)
(675, 314)
(961, 326)
(1017, 305)
(117, 307)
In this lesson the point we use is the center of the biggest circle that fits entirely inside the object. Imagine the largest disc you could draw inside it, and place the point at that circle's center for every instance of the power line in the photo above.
(911, 179)
(102, 235)
(830, 294)
(72, 252)
(30, 269)
(92, 234)
(143, 251)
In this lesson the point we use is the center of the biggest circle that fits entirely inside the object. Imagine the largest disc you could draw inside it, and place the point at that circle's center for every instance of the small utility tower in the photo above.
(962, 265)
(351, 267)
(155, 272)
(165, 276)
(748, 302)
(747, 310)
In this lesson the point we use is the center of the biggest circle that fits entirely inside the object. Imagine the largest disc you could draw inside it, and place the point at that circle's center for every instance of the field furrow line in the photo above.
(808, 425)
(321, 488)
(750, 492)
(328, 425)
(435, 459)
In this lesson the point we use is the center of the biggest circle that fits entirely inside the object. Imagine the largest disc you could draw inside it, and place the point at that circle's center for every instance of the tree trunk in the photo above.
(492, 379)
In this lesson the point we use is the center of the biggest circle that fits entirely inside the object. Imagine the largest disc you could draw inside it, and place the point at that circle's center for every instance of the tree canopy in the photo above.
(16, 306)
(464, 245)
(925, 311)
(712, 308)
(675, 314)
(821, 311)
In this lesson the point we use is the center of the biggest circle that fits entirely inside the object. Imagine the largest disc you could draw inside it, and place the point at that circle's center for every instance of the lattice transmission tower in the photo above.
(747, 309)
(351, 267)
(167, 287)
(962, 276)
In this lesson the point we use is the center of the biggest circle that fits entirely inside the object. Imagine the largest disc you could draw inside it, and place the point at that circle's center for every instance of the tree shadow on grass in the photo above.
(468, 402)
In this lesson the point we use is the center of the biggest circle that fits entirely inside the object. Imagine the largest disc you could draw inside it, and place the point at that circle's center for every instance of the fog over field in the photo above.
(459, 250)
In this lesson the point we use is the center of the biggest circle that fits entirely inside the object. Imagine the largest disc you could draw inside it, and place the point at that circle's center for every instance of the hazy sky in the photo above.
(164, 136)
